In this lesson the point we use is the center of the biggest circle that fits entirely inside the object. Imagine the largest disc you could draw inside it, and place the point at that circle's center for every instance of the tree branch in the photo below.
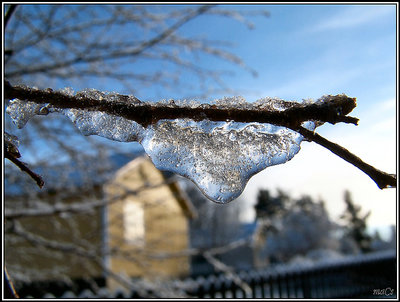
(19, 230)
(24, 168)
(332, 109)
(9, 13)
(81, 207)
(83, 58)
(382, 179)
(11, 152)
(228, 271)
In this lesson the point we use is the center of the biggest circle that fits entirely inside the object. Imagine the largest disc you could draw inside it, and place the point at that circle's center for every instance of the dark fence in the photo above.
(363, 276)
(369, 276)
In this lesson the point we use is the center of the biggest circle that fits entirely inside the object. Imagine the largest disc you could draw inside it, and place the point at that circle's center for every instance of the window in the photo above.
(133, 223)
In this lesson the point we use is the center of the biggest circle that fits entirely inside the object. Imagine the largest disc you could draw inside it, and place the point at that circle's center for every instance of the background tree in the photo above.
(356, 224)
(380, 243)
(269, 211)
(288, 227)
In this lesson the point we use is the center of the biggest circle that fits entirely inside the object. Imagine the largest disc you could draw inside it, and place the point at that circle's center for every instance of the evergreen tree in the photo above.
(356, 224)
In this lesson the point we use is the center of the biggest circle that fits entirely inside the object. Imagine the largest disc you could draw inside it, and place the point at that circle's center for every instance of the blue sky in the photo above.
(306, 51)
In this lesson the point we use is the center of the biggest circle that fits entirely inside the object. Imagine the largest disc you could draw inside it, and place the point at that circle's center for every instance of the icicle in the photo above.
(206, 153)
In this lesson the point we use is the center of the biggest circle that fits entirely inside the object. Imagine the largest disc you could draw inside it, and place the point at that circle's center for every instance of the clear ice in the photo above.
(220, 157)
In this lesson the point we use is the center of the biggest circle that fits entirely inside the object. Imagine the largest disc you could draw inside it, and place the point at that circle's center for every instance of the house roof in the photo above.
(170, 180)
(184, 201)
(90, 173)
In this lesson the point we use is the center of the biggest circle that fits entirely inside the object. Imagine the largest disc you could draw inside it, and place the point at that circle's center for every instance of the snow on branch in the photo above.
(332, 109)
(218, 146)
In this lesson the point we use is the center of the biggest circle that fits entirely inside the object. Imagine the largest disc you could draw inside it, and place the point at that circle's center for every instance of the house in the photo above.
(133, 221)
(149, 222)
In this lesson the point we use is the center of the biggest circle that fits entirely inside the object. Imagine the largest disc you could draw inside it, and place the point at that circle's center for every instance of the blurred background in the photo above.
(115, 217)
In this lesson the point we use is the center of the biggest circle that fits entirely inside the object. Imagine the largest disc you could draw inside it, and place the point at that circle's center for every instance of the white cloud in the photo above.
(317, 83)
(331, 71)
(380, 108)
(353, 16)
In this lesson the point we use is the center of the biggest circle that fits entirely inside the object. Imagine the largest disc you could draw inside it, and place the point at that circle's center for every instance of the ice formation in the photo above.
(220, 157)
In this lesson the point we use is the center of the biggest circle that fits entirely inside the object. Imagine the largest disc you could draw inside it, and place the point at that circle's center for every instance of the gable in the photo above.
(140, 174)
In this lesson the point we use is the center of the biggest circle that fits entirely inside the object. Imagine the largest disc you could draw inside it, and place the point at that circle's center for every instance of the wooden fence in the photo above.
(371, 276)
(363, 276)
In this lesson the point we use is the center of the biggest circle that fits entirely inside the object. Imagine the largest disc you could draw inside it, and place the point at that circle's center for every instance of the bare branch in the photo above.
(11, 152)
(24, 168)
(209, 254)
(120, 53)
(18, 229)
(333, 110)
(200, 251)
(9, 13)
(80, 207)
(382, 179)
(228, 271)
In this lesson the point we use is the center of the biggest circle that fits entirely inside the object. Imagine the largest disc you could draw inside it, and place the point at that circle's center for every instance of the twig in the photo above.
(121, 53)
(199, 251)
(82, 207)
(228, 271)
(209, 255)
(382, 179)
(9, 13)
(18, 229)
(24, 168)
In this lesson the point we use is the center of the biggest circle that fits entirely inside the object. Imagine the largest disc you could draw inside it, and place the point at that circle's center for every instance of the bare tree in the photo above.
(51, 45)
(76, 42)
